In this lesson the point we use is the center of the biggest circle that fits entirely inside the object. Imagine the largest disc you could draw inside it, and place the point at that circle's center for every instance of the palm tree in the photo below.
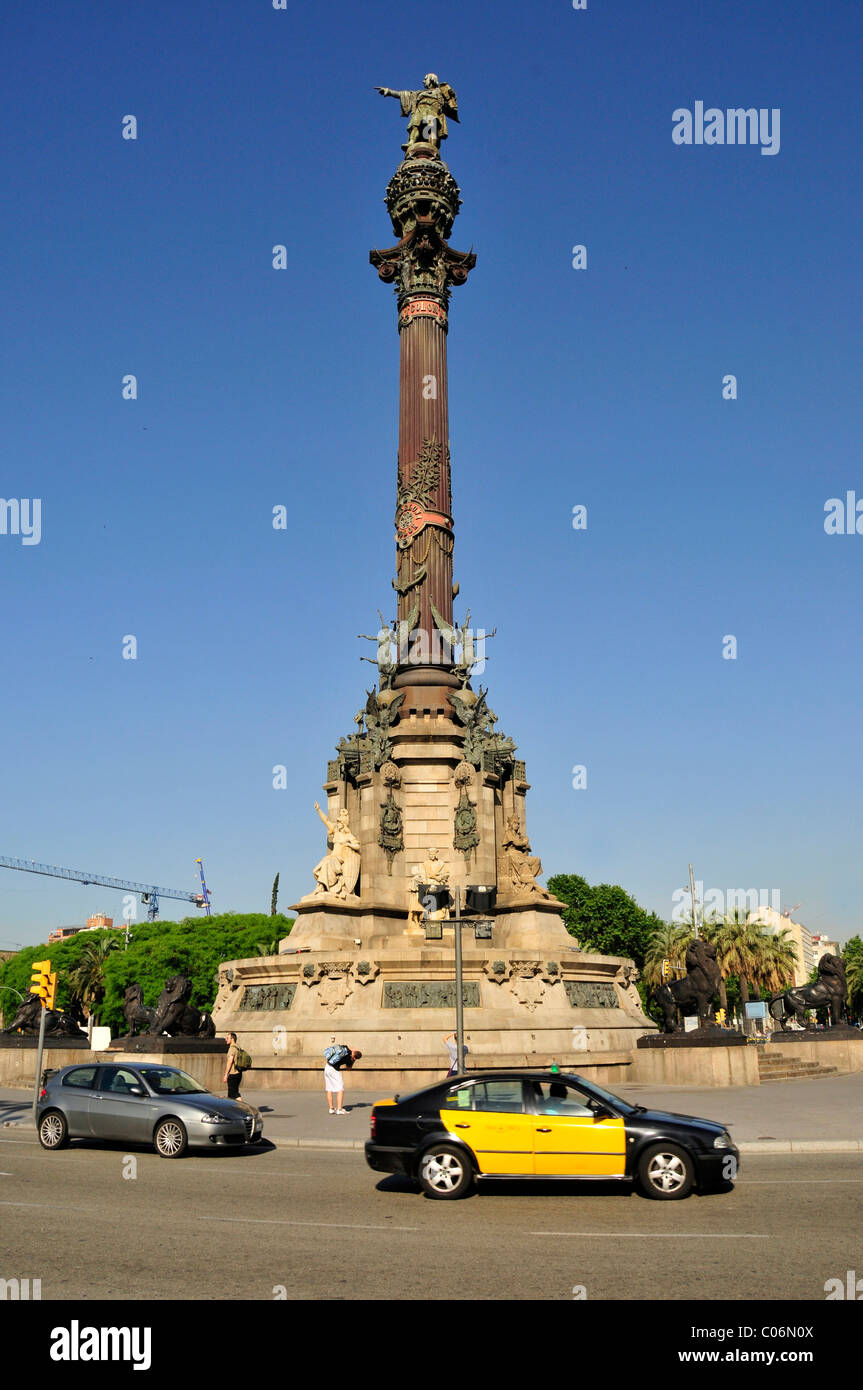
(854, 976)
(87, 979)
(738, 946)
(777, 962)
(668, 942)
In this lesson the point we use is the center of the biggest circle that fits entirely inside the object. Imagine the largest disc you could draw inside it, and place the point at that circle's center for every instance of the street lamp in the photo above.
(479, 898)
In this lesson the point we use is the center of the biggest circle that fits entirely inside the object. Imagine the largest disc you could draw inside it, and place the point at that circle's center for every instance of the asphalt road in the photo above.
(310, 1224)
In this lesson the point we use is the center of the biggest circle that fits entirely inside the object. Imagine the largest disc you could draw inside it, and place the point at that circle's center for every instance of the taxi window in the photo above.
(560, 1098)
(459, 1099)
(500, 1096)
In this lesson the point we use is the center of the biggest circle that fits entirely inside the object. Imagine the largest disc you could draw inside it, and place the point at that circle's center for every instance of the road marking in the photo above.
(655, 1235)
(319, 1225)
(791, 1182)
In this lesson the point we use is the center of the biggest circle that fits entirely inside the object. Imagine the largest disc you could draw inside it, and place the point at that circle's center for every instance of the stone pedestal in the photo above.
(356, 967)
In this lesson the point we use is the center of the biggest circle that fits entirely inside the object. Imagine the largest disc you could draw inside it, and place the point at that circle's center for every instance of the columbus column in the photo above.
(427, 796)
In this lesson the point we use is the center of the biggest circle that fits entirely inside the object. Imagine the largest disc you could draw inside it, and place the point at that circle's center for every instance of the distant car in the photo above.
(542, 1125)
(143, 1103)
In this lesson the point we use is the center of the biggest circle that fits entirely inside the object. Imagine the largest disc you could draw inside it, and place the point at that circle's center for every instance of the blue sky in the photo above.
(600, 387)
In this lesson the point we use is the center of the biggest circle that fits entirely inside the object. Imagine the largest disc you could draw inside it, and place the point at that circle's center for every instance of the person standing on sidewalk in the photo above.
(336, 1056)
(232, 1076)
(451, 1045)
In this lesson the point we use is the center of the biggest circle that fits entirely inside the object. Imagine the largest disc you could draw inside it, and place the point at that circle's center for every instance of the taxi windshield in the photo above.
(606, 1096)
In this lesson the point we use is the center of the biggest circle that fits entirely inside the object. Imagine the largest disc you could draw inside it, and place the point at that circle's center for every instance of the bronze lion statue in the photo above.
(828, 991)
(57, 1023)
(175, 1016)
(692, 994)
(135, 1011)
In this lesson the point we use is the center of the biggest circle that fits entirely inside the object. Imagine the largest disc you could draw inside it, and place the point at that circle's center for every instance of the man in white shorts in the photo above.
(333, 1082)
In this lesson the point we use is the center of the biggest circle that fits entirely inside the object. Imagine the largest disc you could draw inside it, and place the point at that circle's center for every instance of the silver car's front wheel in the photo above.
(170, 1139)
(53, 1130)
(444, 1172)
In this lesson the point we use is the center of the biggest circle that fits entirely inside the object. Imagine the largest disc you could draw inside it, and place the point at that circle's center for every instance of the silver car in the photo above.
(140, 1104)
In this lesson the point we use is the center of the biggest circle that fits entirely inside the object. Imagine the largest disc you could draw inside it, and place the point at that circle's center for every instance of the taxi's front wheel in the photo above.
(665, 1172)
(445, 1171)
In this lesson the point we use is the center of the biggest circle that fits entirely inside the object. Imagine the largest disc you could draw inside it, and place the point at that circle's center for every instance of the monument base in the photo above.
(29, 1042)
(715, 1037)
(164, 1046)
(843, 1032)
(530, 998)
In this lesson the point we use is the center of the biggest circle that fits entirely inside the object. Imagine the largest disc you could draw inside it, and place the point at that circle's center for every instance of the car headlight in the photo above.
(212, 1118)
(722, 1141)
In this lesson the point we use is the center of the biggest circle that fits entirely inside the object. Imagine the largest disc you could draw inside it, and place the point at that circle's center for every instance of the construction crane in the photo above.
(149, 892)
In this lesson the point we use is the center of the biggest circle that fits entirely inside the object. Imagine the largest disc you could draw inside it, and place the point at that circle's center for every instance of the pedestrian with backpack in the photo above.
(236, 1062)
(337, 1056)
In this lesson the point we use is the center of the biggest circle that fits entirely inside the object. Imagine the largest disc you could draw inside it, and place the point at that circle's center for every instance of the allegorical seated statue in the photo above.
(828, 991)
(519, 866)
(427, 109)
(432, 873)
(338, 871)
(175, 1016)
(692, 994)
(57, 1023)
(135, 1011)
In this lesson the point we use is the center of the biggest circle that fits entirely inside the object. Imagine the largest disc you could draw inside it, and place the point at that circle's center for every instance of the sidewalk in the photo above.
(819, 1115)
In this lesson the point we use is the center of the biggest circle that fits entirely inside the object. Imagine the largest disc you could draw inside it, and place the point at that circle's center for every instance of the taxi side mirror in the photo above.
(601, 1112)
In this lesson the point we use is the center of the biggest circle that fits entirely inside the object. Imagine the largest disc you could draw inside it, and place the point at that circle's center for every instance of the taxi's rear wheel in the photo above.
(445, 1172)
(665, 1172)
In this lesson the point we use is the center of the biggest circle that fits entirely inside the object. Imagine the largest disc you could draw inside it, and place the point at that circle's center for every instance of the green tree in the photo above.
(668, 942)
(87, 978)
(604, 918)
(275, 896)
(776, 961)
(852, 955)
(194, 947)
(737, 944)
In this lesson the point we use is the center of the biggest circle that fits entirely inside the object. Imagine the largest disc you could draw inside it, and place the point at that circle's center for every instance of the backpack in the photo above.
(244, 1061)
(337, 1054)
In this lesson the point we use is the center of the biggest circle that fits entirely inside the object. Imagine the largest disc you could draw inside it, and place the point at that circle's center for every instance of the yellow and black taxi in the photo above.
(543, 1125)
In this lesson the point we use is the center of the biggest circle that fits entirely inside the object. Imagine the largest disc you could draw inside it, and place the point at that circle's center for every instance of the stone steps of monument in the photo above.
(790, 1069)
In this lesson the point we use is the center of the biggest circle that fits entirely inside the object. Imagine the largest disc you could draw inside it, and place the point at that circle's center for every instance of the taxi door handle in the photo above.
(543, 1129)
(461, 1126)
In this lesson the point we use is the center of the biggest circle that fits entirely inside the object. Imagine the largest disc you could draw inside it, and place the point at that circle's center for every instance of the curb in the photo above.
(746, 1146)
(800, 1146)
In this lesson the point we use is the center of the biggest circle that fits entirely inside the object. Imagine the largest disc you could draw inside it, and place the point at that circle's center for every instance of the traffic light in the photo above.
(720, 1017)
(52, 991)
(666, 969)
(41, 981)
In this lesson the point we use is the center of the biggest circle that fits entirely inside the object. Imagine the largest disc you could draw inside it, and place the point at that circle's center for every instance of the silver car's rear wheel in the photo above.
(170, 1139)
(445, 1172)
(53, 1130)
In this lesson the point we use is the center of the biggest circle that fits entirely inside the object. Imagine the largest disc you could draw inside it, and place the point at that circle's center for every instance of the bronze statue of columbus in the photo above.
(428, 110)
